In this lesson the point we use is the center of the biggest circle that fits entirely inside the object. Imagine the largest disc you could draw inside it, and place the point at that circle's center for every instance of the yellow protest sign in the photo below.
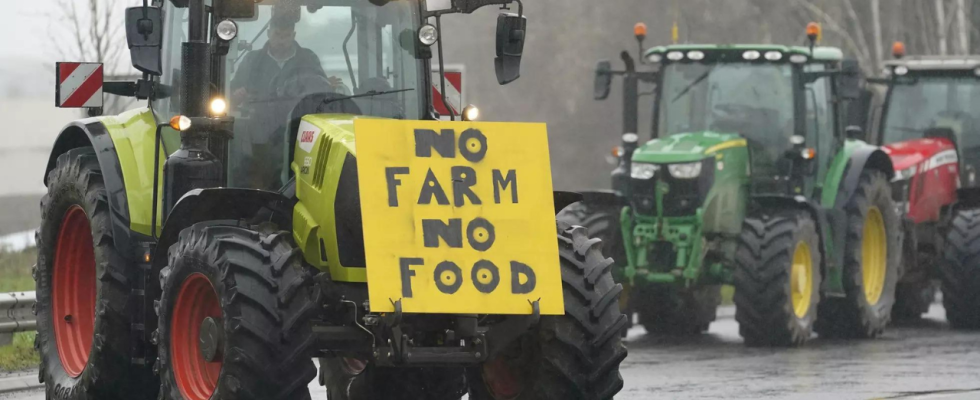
(458, 217)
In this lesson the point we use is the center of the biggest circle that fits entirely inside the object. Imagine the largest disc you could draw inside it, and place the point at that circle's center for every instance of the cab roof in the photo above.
(820, 53)
(936, 63)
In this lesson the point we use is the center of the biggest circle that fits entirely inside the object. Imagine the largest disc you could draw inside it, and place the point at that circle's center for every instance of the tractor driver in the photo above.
(279, 61)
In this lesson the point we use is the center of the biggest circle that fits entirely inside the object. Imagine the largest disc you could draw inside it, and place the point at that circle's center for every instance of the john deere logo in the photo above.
(663, 187)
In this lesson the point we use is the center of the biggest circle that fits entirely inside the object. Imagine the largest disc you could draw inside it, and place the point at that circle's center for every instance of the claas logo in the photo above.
(306, 137)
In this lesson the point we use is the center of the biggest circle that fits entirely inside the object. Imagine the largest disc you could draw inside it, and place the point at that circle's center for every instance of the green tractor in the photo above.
(750, 180)
(214, 243)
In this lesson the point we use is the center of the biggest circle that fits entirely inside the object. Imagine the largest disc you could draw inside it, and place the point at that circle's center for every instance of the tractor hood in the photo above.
(911, 153)
(685, 147)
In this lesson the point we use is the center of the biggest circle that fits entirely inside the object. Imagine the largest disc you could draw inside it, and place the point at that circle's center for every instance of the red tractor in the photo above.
(930, 126)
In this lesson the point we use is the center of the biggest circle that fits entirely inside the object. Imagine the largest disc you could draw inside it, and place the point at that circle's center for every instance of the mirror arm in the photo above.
(141, 89)
(469, 6)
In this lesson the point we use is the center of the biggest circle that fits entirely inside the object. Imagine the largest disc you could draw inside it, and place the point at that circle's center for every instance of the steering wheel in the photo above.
(298, 83)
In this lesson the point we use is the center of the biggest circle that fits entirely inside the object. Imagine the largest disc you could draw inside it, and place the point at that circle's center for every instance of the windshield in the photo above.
(754, 100)
(301, 57)
(926, 103)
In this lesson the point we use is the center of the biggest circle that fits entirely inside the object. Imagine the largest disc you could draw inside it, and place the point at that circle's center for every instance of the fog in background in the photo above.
(565, 39)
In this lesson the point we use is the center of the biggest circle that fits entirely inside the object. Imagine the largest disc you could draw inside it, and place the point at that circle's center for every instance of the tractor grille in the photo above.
(323, 152)
(684, 197)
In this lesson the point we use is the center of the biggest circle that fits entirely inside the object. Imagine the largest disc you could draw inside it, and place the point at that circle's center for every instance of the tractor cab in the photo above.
(776, 99)
(932, 106)
(288, 59)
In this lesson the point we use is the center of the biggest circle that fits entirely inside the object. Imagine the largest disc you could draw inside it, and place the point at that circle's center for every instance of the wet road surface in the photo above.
(925, 360)
(908, 361)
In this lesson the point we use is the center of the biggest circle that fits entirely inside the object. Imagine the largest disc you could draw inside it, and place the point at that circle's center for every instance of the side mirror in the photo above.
(850, 79)
(603, 79)
(144, 33)
(854, 132)
(511, 31)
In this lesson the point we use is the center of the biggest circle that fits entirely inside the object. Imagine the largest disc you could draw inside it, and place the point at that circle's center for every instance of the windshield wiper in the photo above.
(367, 94)
(692, 85)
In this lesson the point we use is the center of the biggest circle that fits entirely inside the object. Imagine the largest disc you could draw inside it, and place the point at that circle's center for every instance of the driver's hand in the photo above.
(335, 81)
(239, 95)
(337, 85)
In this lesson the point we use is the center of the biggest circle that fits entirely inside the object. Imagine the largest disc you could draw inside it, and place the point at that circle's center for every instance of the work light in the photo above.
(643, 171)
(685, 171)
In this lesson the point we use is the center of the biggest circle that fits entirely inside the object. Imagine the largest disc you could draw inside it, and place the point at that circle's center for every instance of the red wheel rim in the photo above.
(73, 291)
(501, 380)
(196, 377)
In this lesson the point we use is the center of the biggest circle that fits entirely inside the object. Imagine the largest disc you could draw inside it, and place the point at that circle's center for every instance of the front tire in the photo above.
(253, 298)
(961, 271)
(84, 335)
(570, 356)
(777, 279)
(871, 264)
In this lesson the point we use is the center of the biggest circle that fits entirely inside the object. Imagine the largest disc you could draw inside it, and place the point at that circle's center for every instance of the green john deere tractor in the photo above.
(749, 180)
(212, 244)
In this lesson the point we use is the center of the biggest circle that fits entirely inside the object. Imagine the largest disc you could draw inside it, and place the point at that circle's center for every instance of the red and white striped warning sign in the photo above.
(79, 85)
(454, 91)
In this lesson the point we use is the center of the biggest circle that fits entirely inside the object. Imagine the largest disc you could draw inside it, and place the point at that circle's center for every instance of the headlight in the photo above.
(428, 35)
(797, 59)
(643, 171)
(227, 30)
(685, 171)
(774, 56)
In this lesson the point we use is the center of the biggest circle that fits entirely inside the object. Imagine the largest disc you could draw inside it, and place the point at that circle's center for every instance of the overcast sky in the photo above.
(27, 53)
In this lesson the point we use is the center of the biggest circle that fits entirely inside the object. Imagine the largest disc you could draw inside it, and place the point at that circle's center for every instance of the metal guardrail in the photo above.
(16, 315)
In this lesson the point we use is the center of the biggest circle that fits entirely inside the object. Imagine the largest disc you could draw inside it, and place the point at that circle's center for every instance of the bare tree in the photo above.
(963, 27)
(89, 30)
(92, 31)
(941, 27)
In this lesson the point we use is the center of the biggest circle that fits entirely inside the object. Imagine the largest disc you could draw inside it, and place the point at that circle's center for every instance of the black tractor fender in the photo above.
(92, 132)
(824, 220)
(863, 158)
(215, 204)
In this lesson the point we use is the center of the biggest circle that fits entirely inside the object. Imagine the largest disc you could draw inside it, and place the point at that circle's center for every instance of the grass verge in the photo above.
(20, 355)
(15, 276)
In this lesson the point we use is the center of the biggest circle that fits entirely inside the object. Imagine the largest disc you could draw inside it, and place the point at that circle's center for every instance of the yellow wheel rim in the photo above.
(874, 255)
(801, 279)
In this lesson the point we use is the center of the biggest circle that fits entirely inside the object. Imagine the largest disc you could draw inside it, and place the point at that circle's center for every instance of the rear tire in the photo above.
(89, 314)
(871, 223)
(570, 356)
(674, 311)
(961, 271)
(262, 301)
(773, 251)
